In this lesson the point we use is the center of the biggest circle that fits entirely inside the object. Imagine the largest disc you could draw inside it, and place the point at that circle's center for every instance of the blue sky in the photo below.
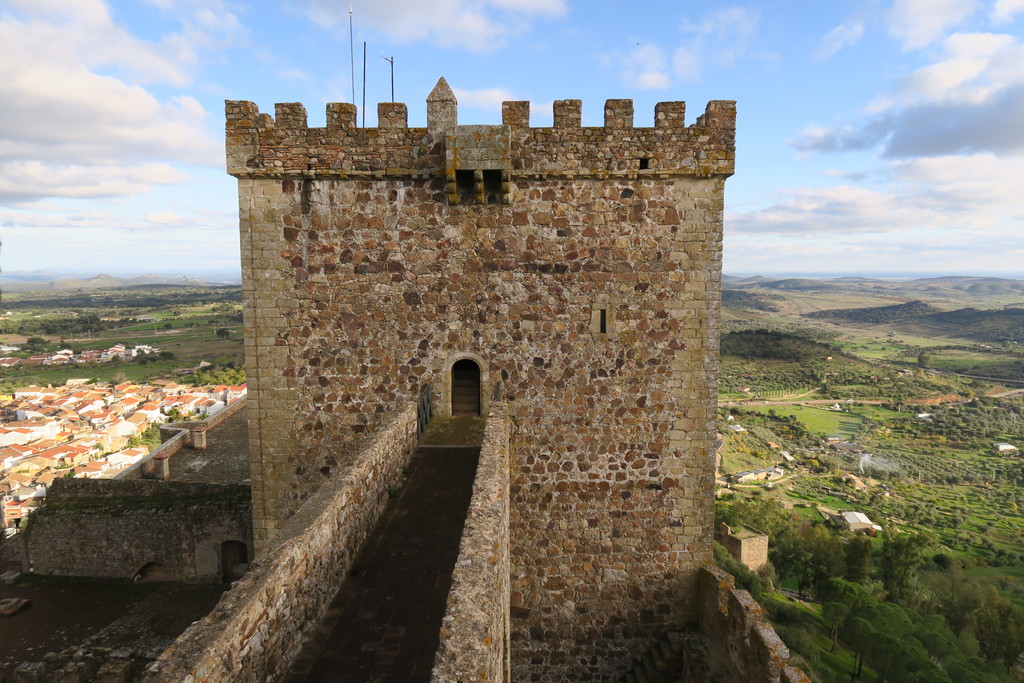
(873, 135)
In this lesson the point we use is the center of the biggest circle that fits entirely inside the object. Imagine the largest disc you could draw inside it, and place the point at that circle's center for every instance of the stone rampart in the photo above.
(475, 629)
(739, 639)
(284, 147)
(259, 626)
(135, 529)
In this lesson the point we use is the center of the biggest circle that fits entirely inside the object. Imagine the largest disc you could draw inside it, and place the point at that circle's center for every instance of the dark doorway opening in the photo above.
(465, 388)
(234, 560)
(154, 572)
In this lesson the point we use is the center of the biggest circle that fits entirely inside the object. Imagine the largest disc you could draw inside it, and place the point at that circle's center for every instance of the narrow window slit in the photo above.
(604, 321)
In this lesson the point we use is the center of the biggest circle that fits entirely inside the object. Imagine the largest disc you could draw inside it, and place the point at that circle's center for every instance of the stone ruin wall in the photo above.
(114, 528)
(746, 545)
(367, 273)
(738, 641)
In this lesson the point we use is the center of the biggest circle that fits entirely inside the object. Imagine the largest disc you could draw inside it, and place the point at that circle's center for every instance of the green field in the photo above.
(821, 421)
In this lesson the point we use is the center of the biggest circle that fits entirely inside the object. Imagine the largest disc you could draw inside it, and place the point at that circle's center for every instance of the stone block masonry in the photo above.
(259, 626)
(127, 529)
(577, 269)
(740, 643)
(475, 628)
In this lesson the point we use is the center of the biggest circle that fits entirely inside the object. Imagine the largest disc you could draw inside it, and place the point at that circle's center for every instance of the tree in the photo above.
(857, 557)
(826, 555)
(1001, 630)
(857, 633)
(223, 333)
(767, 515)
(790, 556)
(901, 556)
(959, 598)
(833, 613)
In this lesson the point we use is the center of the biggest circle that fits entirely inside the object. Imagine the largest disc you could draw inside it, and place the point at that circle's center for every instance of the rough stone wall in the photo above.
(474, 630)
(259, 625)
(749, 548)
(368, 271)
(740, 643)
(115, 528)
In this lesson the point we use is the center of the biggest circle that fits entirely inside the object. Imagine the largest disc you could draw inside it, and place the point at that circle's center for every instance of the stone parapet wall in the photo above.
(739, 639)
(284, 147)
(475, 628)
(175, 436)
(259, 626)
(119, 528)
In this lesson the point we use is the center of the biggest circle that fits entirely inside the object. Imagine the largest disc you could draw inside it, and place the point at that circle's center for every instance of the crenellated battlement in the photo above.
(284, 146)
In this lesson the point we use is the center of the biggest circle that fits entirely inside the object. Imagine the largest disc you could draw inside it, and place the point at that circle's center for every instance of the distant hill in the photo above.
(997, 325)
(16, 283)
(734, 298)
(951, 287)
(980, 286)
(768, 344)
(796, 284)
(876, 315)
(110, 281)
(1000, 325)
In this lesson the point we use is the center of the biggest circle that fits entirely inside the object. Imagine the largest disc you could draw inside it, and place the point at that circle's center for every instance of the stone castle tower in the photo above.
(572, 273)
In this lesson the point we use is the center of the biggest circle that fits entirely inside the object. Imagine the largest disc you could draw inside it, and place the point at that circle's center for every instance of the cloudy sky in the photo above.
(875, 136)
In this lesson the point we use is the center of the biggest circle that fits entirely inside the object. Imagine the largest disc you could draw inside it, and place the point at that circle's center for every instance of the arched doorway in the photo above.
(465, 388)
(153, 572)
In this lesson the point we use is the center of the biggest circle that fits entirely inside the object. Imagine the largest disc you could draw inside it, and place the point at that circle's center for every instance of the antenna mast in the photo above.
(352, 52)
(391, 59)
(364, 84)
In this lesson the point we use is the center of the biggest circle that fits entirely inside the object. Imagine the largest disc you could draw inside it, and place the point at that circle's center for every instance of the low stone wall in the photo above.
(474, 631)
(738, 638)
(136, 528)
(259, 625)
(175, 436)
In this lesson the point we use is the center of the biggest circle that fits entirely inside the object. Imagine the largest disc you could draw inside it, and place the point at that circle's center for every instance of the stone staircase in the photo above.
(663, 663)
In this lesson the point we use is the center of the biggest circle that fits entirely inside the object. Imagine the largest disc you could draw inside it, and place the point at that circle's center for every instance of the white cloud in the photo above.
(78, 121)
(977, 193)
(917, 23)
(24, 182)
(841, 36)
(971, 100)
(646, 67)
(1006, 10)
(163, 218)
(488, 99)
(720, 38)
(475, 25)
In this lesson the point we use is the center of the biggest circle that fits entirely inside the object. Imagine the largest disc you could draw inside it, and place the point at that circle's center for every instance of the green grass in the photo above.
(43, 376)
(818, 420)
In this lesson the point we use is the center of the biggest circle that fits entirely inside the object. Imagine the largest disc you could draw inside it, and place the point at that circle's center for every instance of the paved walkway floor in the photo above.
(383, 624)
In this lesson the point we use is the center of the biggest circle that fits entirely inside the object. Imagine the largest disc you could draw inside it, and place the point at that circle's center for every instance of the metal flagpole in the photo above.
(352, 52)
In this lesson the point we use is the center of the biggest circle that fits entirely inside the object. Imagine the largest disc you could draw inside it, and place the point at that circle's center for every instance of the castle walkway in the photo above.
(383, 624)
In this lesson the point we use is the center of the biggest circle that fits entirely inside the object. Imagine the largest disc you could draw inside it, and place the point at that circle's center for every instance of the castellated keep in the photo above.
(572, 273)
